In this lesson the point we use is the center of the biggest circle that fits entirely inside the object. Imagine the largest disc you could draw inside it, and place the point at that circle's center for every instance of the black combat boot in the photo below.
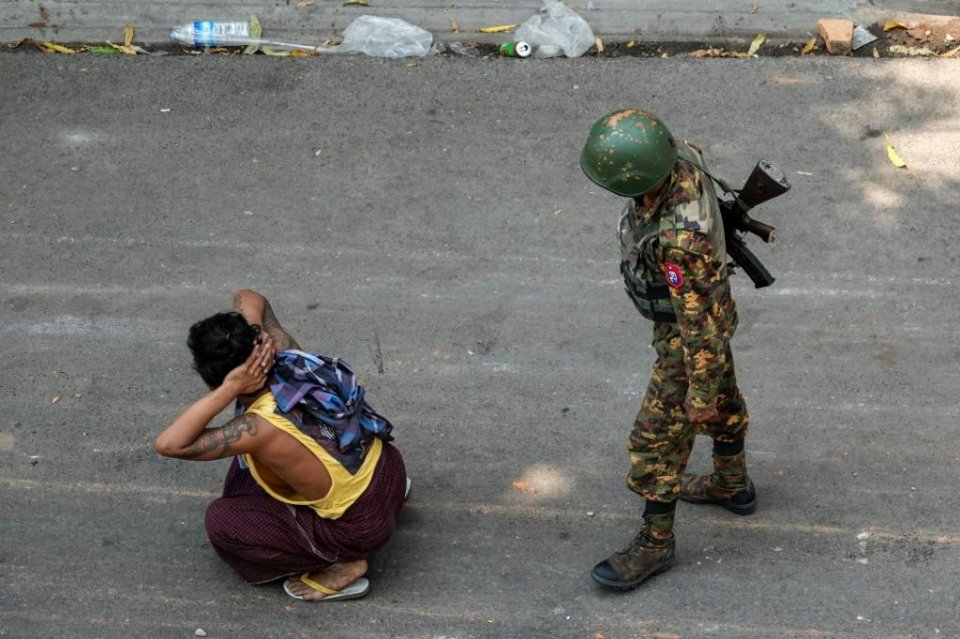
(728, 486)
(650, 553)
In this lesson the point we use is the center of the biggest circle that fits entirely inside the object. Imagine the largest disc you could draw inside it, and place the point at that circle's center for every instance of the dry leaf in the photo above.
(362, 3)
(784, 80)
(454, 26)
(78, 395)
(55, 399)
(53, 47)
(631, 44)
(303, 4)
(522, 485)
(876, 54)
(598, 43)
(892, 154)
(413, 64)
(502, 28)
(756, 7)
(925, 52)
(952, 53)
(757, 42)
(920, 32)
(127, 35)
(809, 46)
(716, 53)
(123, 49)
(302, 53)
(894, 24)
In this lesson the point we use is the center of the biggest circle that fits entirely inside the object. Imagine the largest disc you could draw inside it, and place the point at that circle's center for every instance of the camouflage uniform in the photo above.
(675, 271)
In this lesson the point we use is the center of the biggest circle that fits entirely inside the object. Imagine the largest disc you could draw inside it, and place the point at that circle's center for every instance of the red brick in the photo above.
(837, 34)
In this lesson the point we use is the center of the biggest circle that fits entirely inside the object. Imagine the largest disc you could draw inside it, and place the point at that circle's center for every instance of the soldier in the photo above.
(673, 260)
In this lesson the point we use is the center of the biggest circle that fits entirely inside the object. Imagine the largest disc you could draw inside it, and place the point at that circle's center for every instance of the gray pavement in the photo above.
(439, 210)
(313, 21)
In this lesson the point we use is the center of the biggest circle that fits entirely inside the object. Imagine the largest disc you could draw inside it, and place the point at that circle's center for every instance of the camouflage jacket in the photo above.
(674, 254)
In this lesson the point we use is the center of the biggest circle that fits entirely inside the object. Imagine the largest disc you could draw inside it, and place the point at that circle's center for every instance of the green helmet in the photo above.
(628, 152)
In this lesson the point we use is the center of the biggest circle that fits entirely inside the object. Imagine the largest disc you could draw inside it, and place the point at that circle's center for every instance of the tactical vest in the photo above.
(642, 244)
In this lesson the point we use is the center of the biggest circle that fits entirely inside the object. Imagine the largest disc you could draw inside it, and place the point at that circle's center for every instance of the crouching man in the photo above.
(314, 487)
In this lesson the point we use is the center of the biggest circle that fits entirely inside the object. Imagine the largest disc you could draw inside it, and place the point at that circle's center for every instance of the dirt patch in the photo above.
(939, 34)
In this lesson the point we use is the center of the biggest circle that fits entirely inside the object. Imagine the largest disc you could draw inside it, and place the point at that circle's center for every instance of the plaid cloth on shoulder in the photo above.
(322, 398)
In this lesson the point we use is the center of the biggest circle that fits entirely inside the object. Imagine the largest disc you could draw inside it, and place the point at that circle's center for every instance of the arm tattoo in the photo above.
(275, 331)
(213, 438)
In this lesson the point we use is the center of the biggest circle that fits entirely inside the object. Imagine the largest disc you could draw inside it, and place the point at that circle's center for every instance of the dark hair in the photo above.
(219, 344)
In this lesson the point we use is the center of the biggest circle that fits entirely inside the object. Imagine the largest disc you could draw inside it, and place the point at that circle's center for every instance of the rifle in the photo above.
(765, 183)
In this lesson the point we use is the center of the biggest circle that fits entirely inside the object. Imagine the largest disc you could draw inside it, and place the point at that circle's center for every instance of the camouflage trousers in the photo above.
(662, 436)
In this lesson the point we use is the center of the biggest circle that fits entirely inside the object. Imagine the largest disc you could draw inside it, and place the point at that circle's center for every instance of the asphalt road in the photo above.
(438, 210)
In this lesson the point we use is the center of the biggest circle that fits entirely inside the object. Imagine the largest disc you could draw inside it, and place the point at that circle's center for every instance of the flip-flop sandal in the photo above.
(353, 590)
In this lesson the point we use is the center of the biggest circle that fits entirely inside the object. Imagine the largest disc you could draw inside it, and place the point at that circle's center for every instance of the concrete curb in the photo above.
(727, 22)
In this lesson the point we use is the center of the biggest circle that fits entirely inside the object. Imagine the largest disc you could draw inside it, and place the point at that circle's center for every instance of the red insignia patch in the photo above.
(674, 275)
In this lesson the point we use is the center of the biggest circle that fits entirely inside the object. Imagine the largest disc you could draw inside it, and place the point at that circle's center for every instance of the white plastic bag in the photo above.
(556, 29)
(386, 38)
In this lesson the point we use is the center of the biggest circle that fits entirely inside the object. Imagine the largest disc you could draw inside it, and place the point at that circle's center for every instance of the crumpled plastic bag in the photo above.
(386, 38)
(556, 29)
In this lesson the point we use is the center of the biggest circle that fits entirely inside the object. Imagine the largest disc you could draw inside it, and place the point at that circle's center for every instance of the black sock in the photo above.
(728, 449)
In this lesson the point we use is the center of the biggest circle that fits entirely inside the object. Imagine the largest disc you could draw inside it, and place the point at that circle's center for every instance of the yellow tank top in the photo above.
(345, 488)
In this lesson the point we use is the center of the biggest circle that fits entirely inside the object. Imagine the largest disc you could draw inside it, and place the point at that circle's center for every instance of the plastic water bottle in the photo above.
(207, 33)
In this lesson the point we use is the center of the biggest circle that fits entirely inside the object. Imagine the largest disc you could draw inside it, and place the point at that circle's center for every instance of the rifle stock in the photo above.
(765, 183)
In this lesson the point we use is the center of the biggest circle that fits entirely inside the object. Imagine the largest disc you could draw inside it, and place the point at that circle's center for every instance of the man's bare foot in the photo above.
(335, 577)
